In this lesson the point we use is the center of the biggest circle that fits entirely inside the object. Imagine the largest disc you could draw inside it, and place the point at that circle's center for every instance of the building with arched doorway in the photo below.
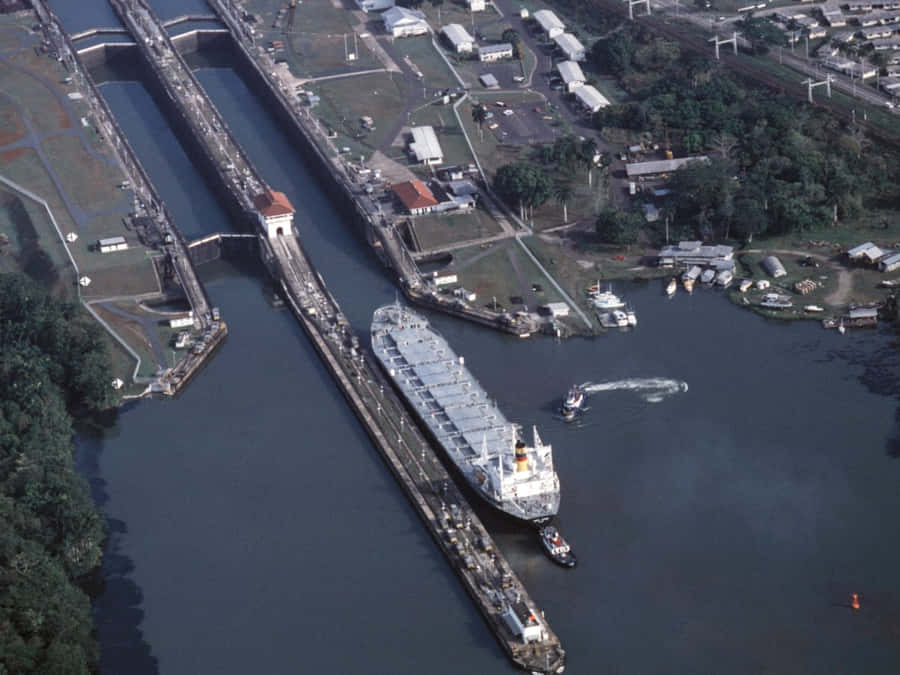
(276, 215)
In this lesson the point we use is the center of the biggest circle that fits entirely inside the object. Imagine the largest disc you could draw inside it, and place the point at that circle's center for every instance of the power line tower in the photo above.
(732, 41)
(810, 84)
(632, 3)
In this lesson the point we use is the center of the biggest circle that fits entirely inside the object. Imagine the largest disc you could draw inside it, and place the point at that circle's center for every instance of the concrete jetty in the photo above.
(512, 615)
(153, 222)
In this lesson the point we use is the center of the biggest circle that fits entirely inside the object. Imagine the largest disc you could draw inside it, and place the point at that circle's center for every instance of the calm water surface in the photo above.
(719, 529)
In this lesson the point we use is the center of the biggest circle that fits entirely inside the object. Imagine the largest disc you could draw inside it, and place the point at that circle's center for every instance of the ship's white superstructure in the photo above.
(485, 447)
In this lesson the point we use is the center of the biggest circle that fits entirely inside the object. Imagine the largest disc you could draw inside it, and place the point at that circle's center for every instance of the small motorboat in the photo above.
(723, 278)
(745, 285)
(556, 547)
(631, 316)
(671, 287)
(573, 403)
(841, 328)
(708, 276)
(813, 308)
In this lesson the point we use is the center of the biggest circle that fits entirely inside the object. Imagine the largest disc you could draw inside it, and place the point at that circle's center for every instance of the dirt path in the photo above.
(841, 294)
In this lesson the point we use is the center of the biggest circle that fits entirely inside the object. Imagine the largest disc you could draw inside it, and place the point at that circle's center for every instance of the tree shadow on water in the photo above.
(115, 597)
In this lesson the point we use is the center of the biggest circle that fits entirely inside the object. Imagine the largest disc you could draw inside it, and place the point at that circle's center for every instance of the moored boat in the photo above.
(671, 287)
(707, 276)
(606, 300)
(813, 308)
(724, 278)
(776, 301)
(689, 278)
(556, 547)
(745, 285)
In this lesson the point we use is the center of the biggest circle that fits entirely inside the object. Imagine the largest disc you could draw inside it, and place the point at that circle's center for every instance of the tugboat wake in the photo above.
(651, 389)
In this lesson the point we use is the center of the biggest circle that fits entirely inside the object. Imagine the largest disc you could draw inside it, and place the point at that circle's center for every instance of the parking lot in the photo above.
(505, 71)
(521, 123)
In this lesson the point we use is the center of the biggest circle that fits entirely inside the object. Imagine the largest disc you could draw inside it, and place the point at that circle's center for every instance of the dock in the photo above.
(519, 626)
(151, 217)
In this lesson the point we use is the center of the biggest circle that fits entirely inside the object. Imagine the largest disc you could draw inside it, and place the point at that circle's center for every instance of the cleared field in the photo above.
(315, 43)
(89, 180)
(436, 231)
(427, 61)
(133, 333)
(502, 271)
(345, 100)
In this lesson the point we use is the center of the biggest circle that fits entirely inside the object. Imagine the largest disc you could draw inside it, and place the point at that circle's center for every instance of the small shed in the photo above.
(112, 244)
(556, 309)
(489, 81)
(462, 187)
(889, 263)
(773, 267)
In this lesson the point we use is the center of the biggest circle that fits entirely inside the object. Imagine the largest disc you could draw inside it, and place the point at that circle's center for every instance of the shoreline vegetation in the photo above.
(54, 367)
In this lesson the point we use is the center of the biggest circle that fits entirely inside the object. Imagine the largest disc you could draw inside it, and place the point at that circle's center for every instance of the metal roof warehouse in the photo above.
(425, 145)
(661, 165)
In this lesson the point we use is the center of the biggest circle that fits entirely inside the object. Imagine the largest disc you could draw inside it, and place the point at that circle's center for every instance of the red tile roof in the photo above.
(414, 194)
(273, 203)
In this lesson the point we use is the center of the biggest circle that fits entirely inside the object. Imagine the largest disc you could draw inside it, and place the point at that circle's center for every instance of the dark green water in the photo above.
(719, 529)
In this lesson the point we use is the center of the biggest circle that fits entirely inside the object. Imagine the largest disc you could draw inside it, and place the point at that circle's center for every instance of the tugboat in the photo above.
(557, 547)
(573, 403)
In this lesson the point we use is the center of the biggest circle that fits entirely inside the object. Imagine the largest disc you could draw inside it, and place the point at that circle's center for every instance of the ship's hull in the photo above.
(456, 413)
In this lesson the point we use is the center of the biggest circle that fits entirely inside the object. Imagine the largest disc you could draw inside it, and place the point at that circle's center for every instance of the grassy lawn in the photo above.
(492, 276)
(43, 108)
(427, 61)
(133, 333)
(90, 182)
(345, 100)
(434, 231)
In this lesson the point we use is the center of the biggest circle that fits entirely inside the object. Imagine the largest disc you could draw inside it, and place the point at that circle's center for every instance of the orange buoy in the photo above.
(854, 601)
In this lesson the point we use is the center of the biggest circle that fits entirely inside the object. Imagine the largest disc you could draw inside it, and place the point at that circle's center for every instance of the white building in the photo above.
(374, 5)
(889, 263)
(569, 45)
(590, 99)
(402, 22)
(459, 37)
(490, 53)
(833, 15)
(112, 244)
(475, 5)
(549, 23)
(571, 74)
(276, 214)
(425, 147)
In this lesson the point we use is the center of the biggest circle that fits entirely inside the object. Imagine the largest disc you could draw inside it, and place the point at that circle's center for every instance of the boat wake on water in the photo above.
(651, 389)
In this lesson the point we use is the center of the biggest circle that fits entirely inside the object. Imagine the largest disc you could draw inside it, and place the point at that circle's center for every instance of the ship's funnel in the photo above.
(521, 457)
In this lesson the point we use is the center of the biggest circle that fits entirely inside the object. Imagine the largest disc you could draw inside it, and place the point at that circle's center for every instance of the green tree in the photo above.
(512, 36)
(615, 226)
(479, 115)
(523, 184)
(562, 193)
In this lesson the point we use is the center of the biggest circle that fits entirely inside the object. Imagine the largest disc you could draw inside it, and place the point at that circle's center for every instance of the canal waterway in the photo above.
(721, 526)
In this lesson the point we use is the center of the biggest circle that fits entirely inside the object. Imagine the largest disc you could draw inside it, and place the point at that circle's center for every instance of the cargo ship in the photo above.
(476, 437)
